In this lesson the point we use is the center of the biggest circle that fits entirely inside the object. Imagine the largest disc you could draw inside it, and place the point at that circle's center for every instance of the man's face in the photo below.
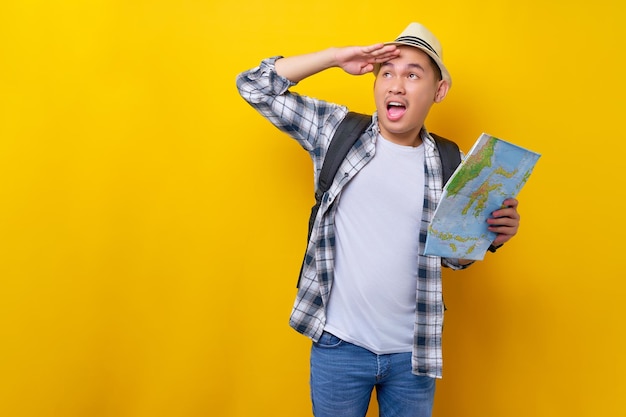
(404, 90)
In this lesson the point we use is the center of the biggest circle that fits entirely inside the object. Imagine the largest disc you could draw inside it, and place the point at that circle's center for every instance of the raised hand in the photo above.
(357, 60)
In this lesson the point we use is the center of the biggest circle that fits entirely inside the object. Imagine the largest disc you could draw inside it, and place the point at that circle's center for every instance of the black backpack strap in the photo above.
(450, 156)
(349, 130)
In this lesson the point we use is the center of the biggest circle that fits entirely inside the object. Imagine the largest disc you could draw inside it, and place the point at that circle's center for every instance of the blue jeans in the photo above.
(343, 376)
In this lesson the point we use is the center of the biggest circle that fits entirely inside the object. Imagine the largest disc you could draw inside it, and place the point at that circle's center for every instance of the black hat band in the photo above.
(415, 41)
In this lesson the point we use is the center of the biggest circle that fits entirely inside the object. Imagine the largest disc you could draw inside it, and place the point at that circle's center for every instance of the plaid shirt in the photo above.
(312, 123)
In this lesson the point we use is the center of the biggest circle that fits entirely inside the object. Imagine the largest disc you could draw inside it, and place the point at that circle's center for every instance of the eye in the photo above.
(413, 76)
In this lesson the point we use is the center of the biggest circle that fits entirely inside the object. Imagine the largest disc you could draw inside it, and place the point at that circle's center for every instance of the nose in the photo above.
(396, 86)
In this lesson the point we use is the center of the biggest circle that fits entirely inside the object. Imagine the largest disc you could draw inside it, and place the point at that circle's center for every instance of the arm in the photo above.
(355, 60)
(266, 88)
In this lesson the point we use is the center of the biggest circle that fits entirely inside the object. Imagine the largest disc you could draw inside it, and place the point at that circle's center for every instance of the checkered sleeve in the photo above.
(305, 119)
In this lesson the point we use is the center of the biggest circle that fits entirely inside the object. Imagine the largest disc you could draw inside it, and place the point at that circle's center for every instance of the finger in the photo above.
(371, 48)
(387, 53)
(367, 68)
(379, 48)
(504, 216)
(504, 237)
(382, 54)
(507, 210)
(501, 240)
(510, 203)
(506, 228)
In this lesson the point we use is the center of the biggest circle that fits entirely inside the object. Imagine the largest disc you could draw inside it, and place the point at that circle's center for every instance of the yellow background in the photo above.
(152, 224)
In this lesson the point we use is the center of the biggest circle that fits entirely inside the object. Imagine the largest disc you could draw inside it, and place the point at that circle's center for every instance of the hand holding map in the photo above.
(492, 171)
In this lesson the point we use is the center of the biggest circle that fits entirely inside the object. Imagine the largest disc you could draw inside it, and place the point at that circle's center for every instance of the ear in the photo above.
(442, 91)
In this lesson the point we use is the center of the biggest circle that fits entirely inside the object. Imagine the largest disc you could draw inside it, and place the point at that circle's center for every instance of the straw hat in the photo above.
(417, 36)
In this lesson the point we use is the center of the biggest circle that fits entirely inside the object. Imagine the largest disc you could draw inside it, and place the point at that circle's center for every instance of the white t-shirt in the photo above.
(372, 301)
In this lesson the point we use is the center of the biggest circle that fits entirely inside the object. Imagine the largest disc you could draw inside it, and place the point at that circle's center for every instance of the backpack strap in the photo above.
(450, 156)
(349, 130)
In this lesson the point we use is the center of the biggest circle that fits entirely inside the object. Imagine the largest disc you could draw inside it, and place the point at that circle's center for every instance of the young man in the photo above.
(368, 298)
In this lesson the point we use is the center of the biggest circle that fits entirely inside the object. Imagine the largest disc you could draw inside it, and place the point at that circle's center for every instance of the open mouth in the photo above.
(395, 110)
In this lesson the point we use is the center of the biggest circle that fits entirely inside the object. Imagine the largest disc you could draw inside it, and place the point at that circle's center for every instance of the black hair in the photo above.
(436, 68)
